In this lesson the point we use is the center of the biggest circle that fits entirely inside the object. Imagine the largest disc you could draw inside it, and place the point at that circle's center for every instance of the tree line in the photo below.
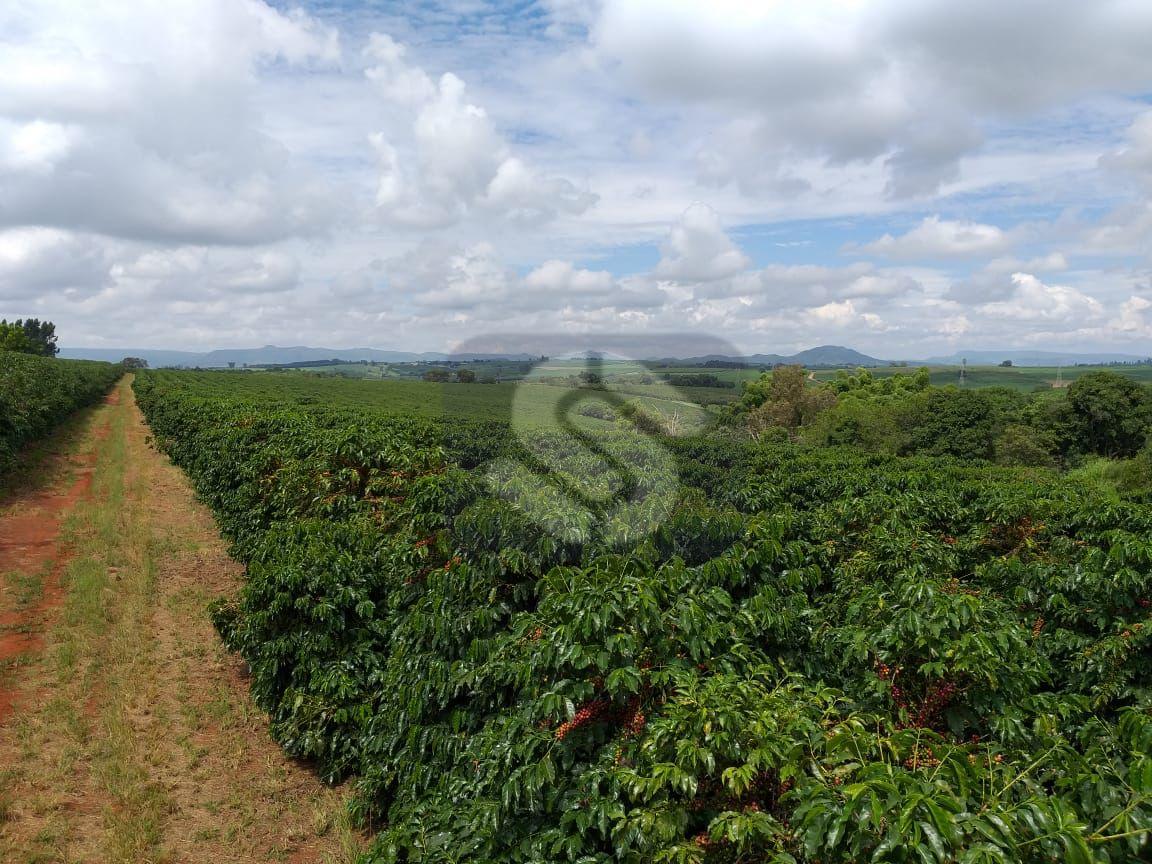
(1101, 414)
(28, 336)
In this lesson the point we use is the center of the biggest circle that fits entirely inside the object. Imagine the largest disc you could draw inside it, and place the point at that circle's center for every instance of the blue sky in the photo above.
(907, 179)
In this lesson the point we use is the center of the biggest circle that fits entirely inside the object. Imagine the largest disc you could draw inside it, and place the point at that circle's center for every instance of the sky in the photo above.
(906, 178)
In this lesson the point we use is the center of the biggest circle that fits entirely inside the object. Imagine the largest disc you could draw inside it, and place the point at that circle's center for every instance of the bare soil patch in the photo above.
(31, 546)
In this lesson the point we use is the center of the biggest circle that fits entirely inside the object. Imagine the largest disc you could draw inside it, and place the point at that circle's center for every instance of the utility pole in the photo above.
(963, 371)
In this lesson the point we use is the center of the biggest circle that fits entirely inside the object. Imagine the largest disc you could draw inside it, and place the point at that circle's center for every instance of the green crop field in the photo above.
(627, 374)
(532, 404)
(549, 647)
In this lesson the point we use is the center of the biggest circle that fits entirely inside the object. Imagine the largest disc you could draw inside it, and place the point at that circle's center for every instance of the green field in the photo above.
(497, 370)
(529, 404)
(536, 392)
(535, 647)
(625, 375)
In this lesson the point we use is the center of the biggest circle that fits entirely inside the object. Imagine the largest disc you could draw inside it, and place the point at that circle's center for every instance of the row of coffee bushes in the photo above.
(37, 393)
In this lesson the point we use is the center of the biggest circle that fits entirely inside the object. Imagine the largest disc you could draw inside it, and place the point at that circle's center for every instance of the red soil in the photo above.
(30, 544)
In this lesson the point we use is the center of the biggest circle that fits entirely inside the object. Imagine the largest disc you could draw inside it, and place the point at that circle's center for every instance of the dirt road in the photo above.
(126, 730)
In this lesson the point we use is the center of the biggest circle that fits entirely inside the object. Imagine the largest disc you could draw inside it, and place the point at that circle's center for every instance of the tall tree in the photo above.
(37, 337)
(42, 333)
(789, 402)
(12, 338)
(1114, 413)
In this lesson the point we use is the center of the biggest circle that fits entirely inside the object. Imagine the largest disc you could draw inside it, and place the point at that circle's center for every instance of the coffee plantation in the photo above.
(804, 655)
(37, 393)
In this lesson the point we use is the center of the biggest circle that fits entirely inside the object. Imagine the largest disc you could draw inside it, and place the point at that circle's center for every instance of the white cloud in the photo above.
(840, 314)
(436, 276)
(200, 273)
(561, 285)
(1135, 316)
(222, 171)
(270, 272)
(987, 286)
(34, 147)
(698, 249)
(564, 278)
(881, 285)
(476, 282)
(848, 80)
(941, 238)
(443, 158)
(996, 280)
(808, 285)
(1127, 230)
(39, 261)
(396, 79)
(1136, 155)
(527, 196)
(1050, 262)
(1033, 300)
(136, 119)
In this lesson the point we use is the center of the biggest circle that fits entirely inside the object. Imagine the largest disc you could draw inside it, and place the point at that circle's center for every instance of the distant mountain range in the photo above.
(824, 355)
(269, 355)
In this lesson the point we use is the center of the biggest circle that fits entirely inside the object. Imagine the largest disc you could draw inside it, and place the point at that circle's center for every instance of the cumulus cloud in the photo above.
(396, 79)
(560, 285)
(565, 279)
(996, 280)
(35, 262)
(136, 120)
(527, 196)
(1033, 300)
(36, 147)
(270, 272)
(444, 158)
(854, 81)
(801, 286)
(476, 281)
(200, 273)
(840, 314)
(698, 249)
(881, 285)
(941, 238)
(1126, 230)
(1136, 154)
(437, 275)
(1135, 316)
(986, 286)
